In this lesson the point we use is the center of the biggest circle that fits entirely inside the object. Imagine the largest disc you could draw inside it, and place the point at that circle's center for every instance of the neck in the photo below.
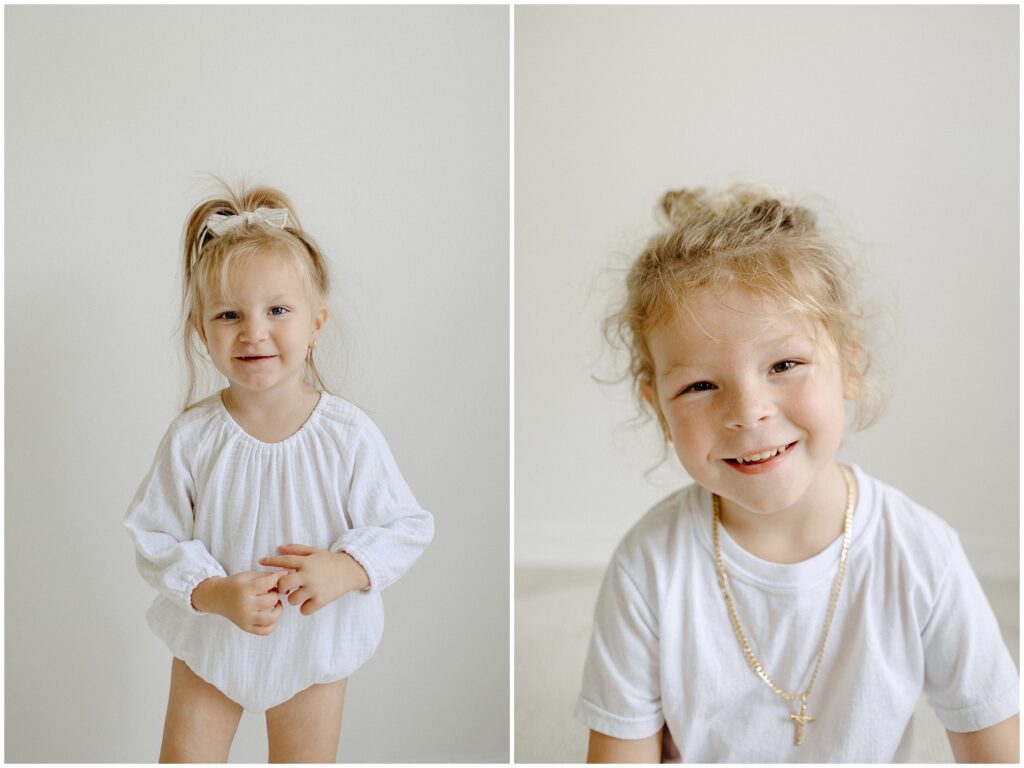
(797, 533)
(271, 402)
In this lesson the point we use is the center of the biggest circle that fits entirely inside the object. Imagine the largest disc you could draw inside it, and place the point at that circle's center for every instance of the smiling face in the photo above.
(259, 334)
(754, 404)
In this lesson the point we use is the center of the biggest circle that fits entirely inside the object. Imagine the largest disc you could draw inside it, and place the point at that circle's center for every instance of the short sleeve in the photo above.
(621, 695)
(970, 677)
(389, 529)
(160, 522)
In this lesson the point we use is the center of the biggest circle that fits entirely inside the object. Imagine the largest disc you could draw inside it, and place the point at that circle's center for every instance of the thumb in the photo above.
(297, 549)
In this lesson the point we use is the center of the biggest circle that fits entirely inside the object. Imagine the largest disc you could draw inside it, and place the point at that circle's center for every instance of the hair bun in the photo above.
(679, 205)
(743, 205)
(775, 214)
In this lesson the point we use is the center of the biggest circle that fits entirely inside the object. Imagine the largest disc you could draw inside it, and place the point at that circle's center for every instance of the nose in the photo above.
(749, 406)
(253, 329)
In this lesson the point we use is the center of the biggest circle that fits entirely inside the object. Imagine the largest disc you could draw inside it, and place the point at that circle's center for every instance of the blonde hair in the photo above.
(752, 237)
(209, 260)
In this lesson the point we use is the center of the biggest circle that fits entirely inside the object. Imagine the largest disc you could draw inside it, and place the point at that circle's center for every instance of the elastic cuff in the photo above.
(360, 558)
(188, 594)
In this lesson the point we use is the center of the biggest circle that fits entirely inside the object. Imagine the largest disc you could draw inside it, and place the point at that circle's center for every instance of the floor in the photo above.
(552, 628)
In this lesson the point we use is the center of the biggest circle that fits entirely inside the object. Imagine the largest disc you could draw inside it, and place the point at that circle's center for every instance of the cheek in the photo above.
(218, 338)
(820, 407)
(690, 429)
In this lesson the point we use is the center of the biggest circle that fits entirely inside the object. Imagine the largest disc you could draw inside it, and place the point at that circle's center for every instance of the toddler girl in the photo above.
(272, 471)
(785, 607)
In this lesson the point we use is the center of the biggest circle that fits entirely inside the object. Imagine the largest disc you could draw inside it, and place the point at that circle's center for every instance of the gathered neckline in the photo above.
(296, 435)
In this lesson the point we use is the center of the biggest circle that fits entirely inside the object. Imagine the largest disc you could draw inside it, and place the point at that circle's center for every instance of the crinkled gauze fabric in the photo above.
(217, 500)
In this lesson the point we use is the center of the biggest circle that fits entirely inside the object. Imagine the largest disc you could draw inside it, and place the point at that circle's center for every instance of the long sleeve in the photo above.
(160, 522)
(389, 528)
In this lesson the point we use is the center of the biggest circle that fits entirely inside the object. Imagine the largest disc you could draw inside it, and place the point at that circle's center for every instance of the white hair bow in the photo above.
(219, 223)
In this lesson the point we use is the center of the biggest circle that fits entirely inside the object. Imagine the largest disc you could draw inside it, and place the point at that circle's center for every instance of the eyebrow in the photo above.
(221, 302)
(680, 365)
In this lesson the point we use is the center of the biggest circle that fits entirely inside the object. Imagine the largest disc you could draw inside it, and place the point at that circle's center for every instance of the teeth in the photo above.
(762, 456)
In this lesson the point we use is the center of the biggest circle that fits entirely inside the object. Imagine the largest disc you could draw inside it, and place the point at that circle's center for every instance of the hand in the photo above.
(249, 599)
(320, 576)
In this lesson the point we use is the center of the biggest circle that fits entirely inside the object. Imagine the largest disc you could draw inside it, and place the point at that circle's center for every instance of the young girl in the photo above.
(274, 513)
(785, 607)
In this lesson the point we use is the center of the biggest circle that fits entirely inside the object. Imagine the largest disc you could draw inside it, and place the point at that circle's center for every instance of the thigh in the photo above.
(201, 721)
(306, 728)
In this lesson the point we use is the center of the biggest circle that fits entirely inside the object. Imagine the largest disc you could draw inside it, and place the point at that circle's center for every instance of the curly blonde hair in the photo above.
(209, 259)
(752, 237)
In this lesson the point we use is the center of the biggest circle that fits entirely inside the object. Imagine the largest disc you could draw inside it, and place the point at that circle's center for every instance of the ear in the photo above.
(852, 379)
(200, 332)
(651, 396)
(319, 319)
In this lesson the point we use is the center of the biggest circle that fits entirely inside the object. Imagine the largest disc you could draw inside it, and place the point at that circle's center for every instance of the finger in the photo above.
(269, 582)
(279, 577)
(292, 581)
(268, 618)
(310, 607)
(269, 575)
(299, 596)
(297, 549)
(282, 561)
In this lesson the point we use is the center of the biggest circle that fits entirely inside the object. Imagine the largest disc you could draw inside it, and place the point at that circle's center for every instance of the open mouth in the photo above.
(253, 358)
(761, 458)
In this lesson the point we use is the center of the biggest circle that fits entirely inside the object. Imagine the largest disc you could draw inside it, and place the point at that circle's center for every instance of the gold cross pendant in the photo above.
(801, 720)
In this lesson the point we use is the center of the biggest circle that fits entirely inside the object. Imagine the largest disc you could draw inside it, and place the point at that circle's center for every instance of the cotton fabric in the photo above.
(217, 500)
(911, 617)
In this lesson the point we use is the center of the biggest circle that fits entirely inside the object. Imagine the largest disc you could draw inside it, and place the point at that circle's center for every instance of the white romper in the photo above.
(217, 500)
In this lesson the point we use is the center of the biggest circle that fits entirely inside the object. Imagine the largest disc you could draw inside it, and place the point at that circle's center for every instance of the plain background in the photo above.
(388, 127)
(898, 124)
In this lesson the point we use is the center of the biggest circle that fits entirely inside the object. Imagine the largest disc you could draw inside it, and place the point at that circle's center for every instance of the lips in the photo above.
(254, 358)
(765, 454)
(761, 461)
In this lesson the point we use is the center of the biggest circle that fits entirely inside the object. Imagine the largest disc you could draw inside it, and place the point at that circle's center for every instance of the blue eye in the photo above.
(274, 311)
(784, 365)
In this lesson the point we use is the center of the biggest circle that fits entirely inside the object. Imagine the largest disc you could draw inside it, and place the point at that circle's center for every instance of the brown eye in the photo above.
(784, 365)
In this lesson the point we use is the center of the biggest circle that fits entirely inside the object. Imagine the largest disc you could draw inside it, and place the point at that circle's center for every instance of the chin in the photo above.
(765, 504)
(764, 509)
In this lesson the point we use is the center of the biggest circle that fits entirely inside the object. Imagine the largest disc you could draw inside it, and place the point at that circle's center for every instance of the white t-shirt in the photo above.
(217, 500)
(911, 616)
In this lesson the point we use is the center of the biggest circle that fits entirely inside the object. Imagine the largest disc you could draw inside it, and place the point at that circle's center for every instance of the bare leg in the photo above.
(306, 728)
(201, 721)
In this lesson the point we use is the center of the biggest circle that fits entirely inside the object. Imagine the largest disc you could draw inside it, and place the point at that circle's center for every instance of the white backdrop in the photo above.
(900, 124)
(389, 128)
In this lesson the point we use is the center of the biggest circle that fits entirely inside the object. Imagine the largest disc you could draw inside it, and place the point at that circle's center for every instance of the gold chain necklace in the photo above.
(801, 719)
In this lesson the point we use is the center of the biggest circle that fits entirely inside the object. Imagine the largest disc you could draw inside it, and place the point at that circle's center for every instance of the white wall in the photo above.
(902, 120)
(388, 126)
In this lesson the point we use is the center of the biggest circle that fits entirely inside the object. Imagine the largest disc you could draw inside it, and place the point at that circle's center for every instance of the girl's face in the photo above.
(259, 339)
(749, 381)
